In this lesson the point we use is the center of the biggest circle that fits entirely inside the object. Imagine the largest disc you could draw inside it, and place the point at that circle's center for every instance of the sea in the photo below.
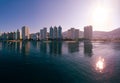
(59, 62)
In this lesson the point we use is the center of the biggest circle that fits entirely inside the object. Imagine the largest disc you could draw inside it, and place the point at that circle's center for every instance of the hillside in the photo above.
(114, 34)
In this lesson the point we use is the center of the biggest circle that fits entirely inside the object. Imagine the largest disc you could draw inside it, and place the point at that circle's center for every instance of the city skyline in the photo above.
(67, 13)
(54, 33)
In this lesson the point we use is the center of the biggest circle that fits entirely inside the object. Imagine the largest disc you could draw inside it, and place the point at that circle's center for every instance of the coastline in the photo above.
(67, 41)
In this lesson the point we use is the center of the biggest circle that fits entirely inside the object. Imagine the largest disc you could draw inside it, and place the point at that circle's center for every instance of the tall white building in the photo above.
(88, 32)
(25, 32)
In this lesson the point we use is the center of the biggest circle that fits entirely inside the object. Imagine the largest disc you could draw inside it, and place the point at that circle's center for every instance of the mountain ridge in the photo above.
(114, 34)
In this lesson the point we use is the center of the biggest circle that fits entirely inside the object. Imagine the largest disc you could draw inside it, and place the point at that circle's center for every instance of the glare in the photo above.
(100, 17)
(100, 64)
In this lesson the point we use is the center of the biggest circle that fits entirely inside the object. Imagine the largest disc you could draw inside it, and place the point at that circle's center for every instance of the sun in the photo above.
(100, 16)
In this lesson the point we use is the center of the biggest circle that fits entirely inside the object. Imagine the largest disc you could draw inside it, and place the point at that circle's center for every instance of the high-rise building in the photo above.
(14, 35)
(77, 33)
(43, 34)
(11, 36)
(25, 32)
(59, 35)
(51, 33)
(18, 34)
(4, 36)
(88, 32)
(72, 33)
(55, 32)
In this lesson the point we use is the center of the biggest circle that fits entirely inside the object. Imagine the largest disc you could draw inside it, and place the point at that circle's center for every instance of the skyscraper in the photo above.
(55, 32)
(59, 35)
(5, 36)
(11, 35)
(51, 33)
(25, 32)
(88, 32)
(43, 34)
(18, 34)
(14, 35)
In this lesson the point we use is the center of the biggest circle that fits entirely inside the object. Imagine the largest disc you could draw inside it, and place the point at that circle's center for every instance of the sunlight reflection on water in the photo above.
(100, 65)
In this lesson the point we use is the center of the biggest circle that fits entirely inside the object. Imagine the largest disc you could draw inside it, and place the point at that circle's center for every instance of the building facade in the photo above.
(59, 32)
(18, 34)
(73, 33)
(4, 36)
(43, 34)
(88, 32)
(25, 32)
(55, 33)
(51, 35)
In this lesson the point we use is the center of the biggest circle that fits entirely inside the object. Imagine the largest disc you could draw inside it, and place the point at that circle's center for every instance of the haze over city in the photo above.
(103, 15)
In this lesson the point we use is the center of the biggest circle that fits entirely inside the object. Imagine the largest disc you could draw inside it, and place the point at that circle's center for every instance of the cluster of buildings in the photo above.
(72, 34)
(55, 33)
(10, 35)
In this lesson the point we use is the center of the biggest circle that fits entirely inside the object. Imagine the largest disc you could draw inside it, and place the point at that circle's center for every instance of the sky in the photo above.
(103, 15)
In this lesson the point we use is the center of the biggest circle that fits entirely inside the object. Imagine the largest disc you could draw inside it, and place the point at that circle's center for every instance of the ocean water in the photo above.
(59, 62)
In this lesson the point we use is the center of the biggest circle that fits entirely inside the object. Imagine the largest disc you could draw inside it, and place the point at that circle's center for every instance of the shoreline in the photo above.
(68, 41)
